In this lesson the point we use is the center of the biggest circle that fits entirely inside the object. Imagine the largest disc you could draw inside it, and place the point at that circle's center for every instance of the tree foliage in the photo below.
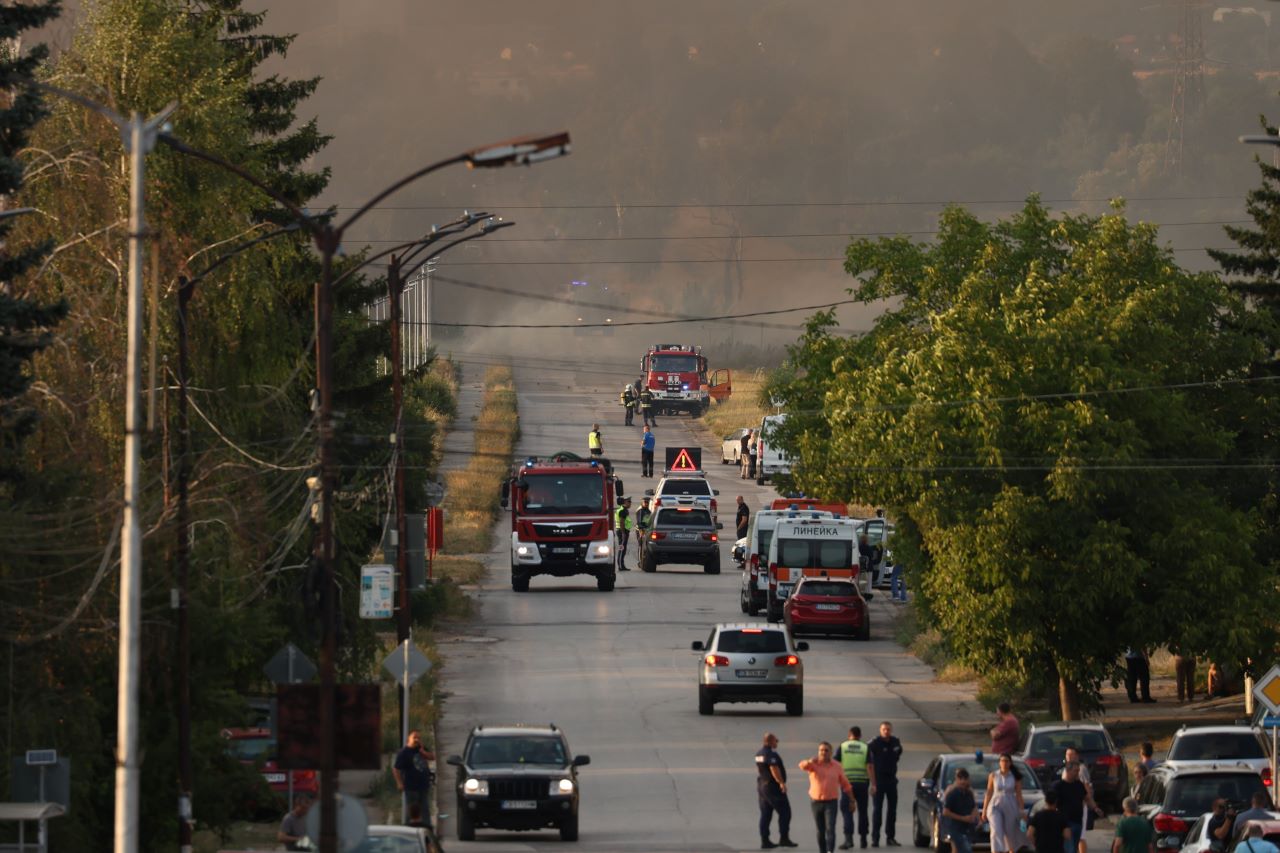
(1051, 408)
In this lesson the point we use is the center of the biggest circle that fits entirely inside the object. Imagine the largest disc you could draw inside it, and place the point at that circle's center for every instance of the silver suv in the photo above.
(1201, 745)
(750, 662)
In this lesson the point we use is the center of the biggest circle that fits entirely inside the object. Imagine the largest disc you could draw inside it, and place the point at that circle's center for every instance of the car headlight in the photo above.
(476, 787)
(561, 786)
(523, 550)
(602, 550)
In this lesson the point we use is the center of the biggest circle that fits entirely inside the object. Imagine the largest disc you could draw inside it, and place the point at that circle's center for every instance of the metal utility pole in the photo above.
(183, 559)
(1188, 82)
(139, 137)
(395, 287)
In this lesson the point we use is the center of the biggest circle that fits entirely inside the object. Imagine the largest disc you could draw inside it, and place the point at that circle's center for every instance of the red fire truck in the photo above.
(676, 374)
(562, 519)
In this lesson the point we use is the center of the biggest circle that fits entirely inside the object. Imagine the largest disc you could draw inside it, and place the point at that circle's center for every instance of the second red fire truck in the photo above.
(676, 375)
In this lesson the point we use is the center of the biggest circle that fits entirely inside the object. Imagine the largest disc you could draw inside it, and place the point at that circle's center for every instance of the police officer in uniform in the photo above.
(622, 531)
(886, 750)
(628, 398)
(855, 757)
(646, 407)
(771, 792)
(595, 443)
(644, 516)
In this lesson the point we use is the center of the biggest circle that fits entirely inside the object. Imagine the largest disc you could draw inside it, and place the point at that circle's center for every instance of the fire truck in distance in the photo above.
(676, 374)
(562, 519)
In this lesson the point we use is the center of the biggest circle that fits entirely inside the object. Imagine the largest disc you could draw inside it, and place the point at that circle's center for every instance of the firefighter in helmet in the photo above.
(628, 399)
(646, 406)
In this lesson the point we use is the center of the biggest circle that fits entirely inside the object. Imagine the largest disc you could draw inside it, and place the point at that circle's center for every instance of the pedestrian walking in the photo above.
(855, 760)
(293, 829)
(628, 400)
(1184, 668)
(960, 813)
(644, 518)
(826, 781)
(595, 441)
(622, 525)
(1005, 733)
(771, 794)
(646, 407)
(1047, 830)
(744, 455)
(885, 750)
(1003, 808)
(1076, 803)
(1134, 834)
(648, 441)
(898, 583)
(743, 518)
(752, 450)
(1137, 674)
(1071, 754)
(413, 774)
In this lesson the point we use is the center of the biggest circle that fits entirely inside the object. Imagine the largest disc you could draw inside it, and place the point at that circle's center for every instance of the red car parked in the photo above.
(827, 606)
(257, 747)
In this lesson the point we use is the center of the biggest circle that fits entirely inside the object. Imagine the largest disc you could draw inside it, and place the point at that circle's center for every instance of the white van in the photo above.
(753, 595)
(822, 546)
(770, 460)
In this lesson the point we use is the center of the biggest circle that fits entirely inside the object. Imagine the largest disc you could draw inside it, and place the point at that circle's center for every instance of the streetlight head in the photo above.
(491, 224)
(521, 151)
(1259, 139)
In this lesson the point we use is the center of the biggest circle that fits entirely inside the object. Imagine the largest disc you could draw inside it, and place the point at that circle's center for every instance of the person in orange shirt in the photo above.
(826, 781)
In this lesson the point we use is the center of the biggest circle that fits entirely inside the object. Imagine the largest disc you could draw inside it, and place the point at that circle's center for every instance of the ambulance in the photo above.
(753, 595)
(807, 546)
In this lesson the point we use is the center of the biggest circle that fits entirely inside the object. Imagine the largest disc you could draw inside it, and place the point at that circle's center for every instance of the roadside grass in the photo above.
(472, 494)
(741, 409)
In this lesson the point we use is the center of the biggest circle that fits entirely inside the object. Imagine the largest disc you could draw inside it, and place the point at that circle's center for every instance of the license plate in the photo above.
(562, 550)
(273, 777)
(684, 536)
(519, 804)
(826, 607)
(751, 673)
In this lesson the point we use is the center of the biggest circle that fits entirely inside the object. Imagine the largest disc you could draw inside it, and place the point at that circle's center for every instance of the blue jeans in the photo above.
(771, 799)
(961, 842)
(824, 817)
(897, 586)
(1077, 830)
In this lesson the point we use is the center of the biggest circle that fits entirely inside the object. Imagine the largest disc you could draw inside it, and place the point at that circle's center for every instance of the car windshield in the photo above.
(1053, 745)
(1194, 794)
(558, 494)
(674, 364)
(1215, 746)
(388, 844)
(806, 553)
(523, 749)
(696, 487)
(253, 748)
(832, 588)
(978, 773)
(683, 518)
(752, 640)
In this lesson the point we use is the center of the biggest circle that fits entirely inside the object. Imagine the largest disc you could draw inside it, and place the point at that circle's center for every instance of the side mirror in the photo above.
(719, 525)
(696, 645)
(454, 760)
(581, 760)
(618, 489)
(715, 491)
(648, 493)
(926, 784)
(802, 646)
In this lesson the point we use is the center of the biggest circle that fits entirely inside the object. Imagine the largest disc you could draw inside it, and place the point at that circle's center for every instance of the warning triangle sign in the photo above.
(686, 459)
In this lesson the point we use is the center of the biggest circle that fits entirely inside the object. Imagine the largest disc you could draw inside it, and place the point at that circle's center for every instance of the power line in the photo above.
(667, 261)
(711, 319)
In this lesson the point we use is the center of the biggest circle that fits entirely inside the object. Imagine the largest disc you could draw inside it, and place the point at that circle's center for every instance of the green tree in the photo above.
(1051, 410)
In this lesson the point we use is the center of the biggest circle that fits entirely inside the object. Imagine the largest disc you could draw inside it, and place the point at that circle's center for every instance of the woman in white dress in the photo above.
(1002, 807)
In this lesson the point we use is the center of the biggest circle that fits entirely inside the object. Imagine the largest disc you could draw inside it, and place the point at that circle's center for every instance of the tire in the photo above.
(937, 842)
(520, 582)
(569, 828)
(706, 703)
(918, 838)
(795, 705)
(752, 609)
(466, 828)
(742, 602)
(604, 582)
(648, 565)
(771, 614)
(712, 566)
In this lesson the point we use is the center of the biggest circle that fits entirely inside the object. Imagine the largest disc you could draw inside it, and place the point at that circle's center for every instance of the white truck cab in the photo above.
(807, 546)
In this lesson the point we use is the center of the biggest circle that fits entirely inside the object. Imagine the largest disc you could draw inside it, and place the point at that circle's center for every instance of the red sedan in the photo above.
(256, 747)
(827, 606)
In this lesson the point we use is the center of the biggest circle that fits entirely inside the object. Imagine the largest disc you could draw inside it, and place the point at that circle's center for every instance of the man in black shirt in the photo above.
(1073, 797)
(744, 517)
(1048, 829)
(885, 752)
(771, 794)
(1220, 825)
(959, 813)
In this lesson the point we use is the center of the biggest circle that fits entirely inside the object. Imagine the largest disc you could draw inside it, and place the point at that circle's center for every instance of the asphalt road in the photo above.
(615, 671)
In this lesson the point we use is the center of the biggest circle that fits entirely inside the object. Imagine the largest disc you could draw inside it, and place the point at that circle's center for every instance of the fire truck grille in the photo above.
(563, 531)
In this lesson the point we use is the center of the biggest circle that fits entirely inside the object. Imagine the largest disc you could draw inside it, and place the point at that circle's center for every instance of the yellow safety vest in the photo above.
(853, 759)
(593, 440)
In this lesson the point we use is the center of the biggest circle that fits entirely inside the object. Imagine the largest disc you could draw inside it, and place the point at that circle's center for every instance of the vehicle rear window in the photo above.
(253, 749)
(1054, 744)
(805, 553)
(700, 488)
(1191, 794)
(683, 518)
(491, 751)
(835, 588)
(1216, 747)
(763, 537)
(978, 773)
(752, 641)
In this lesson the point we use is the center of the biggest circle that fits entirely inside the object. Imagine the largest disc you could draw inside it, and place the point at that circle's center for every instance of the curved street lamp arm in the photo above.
(243, 247)
(397, 186)
(476, 236)
(462, 223)
(458, 226)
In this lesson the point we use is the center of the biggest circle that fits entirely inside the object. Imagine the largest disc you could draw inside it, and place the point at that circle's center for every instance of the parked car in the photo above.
(1045, 744)
(1173, 798)
(1270, 831)
(827, 606)
(731, 446)
(682, 534)
(256, 747)
(1197, 839)
(770, 459)
(926, 808)
(1194, 745)
(685, 490)
(750, 662)
(517, 778)
(385, 838)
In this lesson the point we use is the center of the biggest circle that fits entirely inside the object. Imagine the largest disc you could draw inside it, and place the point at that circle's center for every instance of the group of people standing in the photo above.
(648, 442)
(637, 396)
(624, 521)
(842, 780)
(747, 450)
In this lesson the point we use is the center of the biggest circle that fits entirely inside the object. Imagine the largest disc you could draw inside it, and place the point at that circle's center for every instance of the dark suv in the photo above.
(1173, 798)
(517, 777)
(682, 534)
(1044, 747)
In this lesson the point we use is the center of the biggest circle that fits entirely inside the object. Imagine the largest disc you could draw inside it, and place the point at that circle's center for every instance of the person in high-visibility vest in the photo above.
(855, 759)
(628, 400)
(644, 519)
(594, 442)
(622, 526)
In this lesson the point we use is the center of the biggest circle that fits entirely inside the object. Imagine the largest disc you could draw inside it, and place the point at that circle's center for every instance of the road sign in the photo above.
(377, 591)
(289, 666)
(684, 459)
(406, 663)
(1267, 689)
(1271, 721)
(39, 757)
